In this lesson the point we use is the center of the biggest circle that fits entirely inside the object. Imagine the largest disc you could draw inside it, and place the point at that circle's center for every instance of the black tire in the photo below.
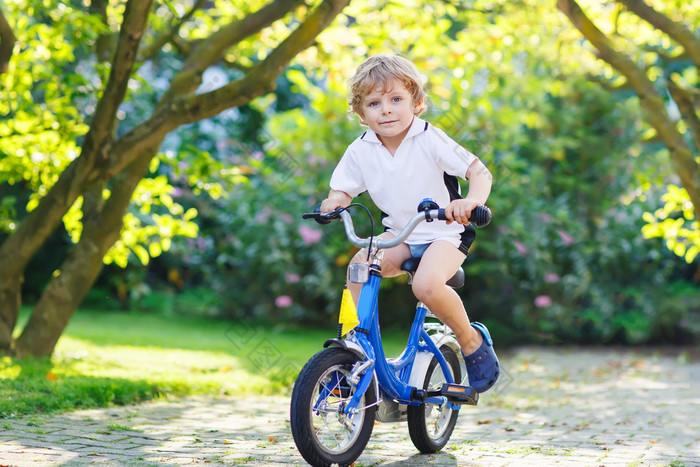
(431, 426)
(323, 437)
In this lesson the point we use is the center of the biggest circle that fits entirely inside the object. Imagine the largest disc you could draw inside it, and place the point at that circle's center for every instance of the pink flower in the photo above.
(543, 301)
(263, 215)
(551, 278)
(522, 249)
(286, 218)
(283, 301)
(566, 238)
(546, 218)
(309, 235)
(291, 278)
(315, 160)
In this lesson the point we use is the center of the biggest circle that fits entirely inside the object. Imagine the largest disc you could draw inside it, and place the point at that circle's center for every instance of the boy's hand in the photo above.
(460, 210)
(336, 199)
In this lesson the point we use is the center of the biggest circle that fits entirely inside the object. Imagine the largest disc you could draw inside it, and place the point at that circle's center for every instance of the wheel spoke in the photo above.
(334, 430)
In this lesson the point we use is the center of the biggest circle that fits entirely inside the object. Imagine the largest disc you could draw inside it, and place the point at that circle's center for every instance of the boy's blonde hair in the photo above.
(379, 71)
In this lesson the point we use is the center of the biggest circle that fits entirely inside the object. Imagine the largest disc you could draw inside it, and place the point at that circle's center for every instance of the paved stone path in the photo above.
(552, 406)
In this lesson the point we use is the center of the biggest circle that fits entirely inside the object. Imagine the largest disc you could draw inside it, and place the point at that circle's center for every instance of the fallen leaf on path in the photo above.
(272, 439)
(483, 422)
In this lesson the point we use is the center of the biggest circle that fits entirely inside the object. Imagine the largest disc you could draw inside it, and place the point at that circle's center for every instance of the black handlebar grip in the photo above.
(481, 216)
(321, 219)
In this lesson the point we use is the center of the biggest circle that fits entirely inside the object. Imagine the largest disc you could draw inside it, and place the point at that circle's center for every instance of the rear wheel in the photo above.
(431, 426)
(323, 433)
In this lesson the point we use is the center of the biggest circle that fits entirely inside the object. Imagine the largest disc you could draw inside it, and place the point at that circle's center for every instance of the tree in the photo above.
(7, 42)
(663, 75)
(113, 164)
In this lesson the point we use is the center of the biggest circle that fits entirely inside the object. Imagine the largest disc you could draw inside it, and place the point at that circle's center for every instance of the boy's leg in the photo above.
(438, 264)
(391, 264)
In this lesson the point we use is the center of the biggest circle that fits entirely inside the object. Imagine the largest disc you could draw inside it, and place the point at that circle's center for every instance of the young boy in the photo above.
(399, 161)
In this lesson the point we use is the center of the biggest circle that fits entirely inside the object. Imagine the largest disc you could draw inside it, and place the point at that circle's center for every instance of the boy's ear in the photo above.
(417, 105)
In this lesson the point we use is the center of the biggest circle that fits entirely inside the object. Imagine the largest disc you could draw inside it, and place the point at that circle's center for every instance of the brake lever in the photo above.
(323, 218)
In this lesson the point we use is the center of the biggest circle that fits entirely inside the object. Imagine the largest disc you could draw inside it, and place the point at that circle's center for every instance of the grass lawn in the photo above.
(106, 358)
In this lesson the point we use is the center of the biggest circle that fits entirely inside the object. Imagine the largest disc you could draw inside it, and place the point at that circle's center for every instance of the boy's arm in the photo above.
(480, 180)
(336, 199)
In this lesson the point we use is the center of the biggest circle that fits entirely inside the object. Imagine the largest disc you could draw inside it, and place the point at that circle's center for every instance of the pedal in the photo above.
(459, 394)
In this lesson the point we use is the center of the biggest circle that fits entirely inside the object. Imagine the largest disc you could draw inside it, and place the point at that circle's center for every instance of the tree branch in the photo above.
(148, 51)
(134, 22)
(684, 101)
(212, 49)
(652, 102)
(675, 29)
(607, 84)
(194, 107)
(211, 103)
(7, 43)
(103, 47)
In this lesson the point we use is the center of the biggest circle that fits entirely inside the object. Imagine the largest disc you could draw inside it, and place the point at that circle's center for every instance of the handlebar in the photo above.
(480, 216)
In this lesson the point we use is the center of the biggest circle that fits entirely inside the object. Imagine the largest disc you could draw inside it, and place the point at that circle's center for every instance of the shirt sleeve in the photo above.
(347, 176)
(450, 156)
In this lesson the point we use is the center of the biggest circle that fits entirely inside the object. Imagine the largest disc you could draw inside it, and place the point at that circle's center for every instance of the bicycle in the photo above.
(342, 389)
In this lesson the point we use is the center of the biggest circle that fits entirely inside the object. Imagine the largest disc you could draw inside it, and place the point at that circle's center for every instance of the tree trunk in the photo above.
(24, 242)
(79, 271)
(10, 293)
(7, 43)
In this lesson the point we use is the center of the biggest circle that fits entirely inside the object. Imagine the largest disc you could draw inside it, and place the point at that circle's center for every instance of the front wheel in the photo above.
(323, 433)
(431, 426)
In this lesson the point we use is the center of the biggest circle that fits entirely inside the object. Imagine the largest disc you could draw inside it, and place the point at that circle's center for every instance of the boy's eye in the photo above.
(396, 99)
(373, 103)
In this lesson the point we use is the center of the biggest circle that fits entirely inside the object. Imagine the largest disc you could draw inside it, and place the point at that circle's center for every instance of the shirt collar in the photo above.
(418, 126)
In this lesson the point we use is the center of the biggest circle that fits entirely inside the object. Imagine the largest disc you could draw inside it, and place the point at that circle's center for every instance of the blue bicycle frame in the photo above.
(367, 335)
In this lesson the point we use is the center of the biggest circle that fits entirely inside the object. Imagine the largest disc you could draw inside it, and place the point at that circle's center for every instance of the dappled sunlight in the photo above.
(173, 370)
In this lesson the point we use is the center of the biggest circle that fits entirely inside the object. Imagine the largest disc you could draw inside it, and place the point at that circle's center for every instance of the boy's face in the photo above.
(389, 111)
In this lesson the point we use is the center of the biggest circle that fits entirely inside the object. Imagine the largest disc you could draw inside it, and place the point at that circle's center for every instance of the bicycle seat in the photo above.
(411, 265)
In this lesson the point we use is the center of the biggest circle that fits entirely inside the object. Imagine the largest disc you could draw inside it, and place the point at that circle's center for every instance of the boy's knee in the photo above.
(424, 289)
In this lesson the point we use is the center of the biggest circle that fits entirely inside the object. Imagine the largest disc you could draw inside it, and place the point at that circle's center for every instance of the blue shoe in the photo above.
(482, 365)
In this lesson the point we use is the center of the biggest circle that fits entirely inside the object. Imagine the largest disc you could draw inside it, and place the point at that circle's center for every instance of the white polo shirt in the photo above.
(422, 168)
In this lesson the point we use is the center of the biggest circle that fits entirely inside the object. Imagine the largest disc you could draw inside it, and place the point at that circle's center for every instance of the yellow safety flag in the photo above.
(348, 313)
